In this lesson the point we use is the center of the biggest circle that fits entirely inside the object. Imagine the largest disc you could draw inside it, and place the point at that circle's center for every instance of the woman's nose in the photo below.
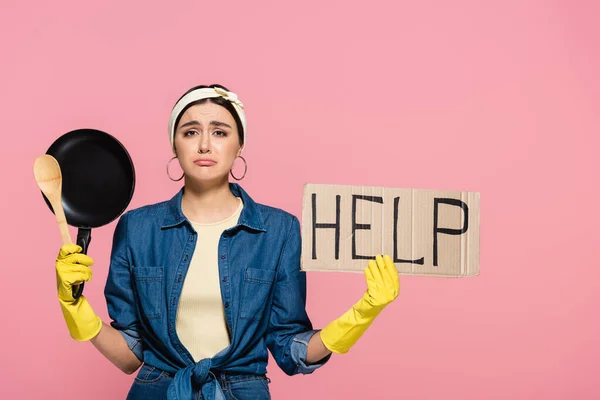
(204, 146)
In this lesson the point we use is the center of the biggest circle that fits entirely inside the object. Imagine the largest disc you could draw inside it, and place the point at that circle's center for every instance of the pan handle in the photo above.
(84, 236)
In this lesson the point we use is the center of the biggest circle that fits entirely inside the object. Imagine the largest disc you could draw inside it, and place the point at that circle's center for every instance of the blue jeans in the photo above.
(152, 383)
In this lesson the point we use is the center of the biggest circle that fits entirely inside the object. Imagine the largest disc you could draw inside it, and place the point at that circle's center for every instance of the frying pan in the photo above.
(98, 181)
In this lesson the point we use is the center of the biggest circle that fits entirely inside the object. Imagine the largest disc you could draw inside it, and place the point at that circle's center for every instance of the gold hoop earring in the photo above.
(245, 170)
(169, 175)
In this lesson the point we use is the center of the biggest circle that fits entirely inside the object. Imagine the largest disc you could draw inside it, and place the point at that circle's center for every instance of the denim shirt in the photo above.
(262, 288)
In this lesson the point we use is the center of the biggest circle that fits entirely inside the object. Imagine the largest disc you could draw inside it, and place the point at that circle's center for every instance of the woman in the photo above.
(200, 286)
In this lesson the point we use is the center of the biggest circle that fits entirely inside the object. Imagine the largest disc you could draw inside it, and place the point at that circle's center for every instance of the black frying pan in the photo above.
(98, 181)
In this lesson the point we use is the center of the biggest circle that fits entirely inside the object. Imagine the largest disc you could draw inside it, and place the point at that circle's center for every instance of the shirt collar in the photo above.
(250, 217)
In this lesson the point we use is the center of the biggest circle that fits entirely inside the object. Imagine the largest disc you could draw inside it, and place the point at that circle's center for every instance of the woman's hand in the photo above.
(383, 286)
(72, 268)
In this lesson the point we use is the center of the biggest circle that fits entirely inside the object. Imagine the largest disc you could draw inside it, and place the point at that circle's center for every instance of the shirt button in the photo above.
(226, 305)
(222, 256)
(178, 278)
(224, 279)
(185, 258)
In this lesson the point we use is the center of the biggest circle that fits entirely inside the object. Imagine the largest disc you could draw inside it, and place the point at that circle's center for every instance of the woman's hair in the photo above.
(216, 100)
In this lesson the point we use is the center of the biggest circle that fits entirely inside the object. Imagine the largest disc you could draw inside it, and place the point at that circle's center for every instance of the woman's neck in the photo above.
(208, 203)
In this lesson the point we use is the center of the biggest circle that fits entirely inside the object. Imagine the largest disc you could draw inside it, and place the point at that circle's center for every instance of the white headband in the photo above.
(204, 93)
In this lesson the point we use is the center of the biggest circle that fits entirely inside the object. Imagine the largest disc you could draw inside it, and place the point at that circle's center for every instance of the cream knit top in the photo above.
(200, 322)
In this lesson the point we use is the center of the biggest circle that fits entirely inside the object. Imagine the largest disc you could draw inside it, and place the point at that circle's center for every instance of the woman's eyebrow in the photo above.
(219, 123)
(189, 123)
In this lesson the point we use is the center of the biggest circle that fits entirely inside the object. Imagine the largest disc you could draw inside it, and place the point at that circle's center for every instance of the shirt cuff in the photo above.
(298, 352)
(134, 342)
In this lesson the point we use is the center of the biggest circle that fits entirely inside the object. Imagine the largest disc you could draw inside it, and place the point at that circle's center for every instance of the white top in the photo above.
(200, 322)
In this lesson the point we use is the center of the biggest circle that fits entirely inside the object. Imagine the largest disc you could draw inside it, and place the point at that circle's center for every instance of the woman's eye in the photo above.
(220, 133)
(189, 133)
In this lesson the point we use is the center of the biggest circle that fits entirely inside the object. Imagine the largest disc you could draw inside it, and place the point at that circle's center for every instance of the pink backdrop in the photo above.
(496, 97)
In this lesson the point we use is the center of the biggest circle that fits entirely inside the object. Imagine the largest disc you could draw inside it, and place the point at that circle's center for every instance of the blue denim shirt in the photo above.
(262, 288)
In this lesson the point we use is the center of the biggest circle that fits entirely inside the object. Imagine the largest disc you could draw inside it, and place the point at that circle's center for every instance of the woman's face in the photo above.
(207, 142)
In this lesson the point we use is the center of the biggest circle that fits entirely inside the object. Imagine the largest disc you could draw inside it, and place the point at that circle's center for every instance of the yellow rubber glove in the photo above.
(72, 267)
(383, 286)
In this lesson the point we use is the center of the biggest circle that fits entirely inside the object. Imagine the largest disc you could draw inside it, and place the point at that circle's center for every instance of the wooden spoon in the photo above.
(49, 179)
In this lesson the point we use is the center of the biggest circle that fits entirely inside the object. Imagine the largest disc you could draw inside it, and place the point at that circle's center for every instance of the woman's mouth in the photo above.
(205, 162)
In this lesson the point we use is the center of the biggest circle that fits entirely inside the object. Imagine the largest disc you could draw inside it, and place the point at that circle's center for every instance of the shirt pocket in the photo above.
(257, 287)
(149, 286)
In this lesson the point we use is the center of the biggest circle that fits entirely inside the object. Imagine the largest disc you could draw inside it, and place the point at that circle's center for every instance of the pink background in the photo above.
(496, 97)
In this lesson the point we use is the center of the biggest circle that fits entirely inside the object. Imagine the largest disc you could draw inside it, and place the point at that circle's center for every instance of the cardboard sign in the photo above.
(426, 232)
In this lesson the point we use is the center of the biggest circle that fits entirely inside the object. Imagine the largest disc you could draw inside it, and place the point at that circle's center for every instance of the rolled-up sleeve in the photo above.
(289, 328)
(118, 291)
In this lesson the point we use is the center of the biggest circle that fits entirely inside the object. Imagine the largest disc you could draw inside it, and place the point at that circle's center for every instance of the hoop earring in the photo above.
(169, 175)
(245, 170)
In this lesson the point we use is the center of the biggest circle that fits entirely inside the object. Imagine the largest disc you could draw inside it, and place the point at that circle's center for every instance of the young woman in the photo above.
(200, 286)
